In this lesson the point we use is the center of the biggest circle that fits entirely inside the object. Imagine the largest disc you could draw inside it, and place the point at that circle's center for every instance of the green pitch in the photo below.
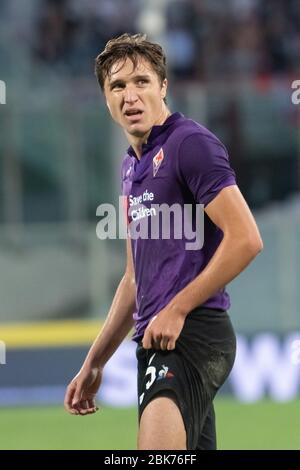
(263, 425)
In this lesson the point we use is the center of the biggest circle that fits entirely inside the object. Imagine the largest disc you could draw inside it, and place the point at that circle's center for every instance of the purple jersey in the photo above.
(182, 163)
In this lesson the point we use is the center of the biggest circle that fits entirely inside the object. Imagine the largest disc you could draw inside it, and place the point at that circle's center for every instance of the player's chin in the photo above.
(137, 130)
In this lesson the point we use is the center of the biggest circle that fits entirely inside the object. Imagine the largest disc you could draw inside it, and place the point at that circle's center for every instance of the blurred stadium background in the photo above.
(231, 66)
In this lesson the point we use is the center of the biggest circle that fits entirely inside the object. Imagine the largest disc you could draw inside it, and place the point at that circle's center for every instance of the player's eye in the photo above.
(116, 86)
(142, 81)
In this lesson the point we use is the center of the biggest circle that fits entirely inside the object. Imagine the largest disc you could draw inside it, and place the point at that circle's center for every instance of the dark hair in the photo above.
(132, 47)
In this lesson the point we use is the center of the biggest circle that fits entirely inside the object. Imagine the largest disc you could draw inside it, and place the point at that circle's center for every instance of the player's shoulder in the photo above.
(199, 149)
(126, 167)
(188, 130)
(126, 160)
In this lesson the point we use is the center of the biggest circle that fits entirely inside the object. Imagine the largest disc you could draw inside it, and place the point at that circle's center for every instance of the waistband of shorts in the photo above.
(218, 312)
(208, 310)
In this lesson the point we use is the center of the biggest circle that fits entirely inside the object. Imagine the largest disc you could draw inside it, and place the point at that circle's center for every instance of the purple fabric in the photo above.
(193, 168)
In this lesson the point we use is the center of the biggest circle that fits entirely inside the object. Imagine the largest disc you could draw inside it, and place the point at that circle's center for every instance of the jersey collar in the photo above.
(156, 131)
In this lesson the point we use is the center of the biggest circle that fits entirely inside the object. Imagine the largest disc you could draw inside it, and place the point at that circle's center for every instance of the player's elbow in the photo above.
(260, 245)
(253, 245)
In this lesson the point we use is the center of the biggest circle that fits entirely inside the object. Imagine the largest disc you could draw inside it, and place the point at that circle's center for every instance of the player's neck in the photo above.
(137, 142)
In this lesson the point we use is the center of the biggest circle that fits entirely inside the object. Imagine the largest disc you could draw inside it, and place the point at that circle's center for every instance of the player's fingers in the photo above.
(84, 404)
(69, 398)
(73, 411)
(87, 407)
(156, 340)
(77, 395)
(92, 405)
(83, 407)
(171, 344)
(164, 343)
(147, 339)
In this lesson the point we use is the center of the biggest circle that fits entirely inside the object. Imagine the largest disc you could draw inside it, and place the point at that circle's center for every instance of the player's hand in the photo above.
(80, 397)
(163, 330)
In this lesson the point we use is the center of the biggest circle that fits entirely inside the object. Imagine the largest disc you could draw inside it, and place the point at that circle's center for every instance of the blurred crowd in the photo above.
(250, 49)
(202, 38)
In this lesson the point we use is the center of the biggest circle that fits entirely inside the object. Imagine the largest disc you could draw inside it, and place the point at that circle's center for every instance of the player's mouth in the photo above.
(133, 114)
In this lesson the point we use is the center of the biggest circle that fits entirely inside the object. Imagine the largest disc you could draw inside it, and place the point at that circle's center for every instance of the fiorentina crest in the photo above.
(157, 161)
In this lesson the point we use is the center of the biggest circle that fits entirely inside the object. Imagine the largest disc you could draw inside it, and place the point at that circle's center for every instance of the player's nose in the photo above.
(130, 95)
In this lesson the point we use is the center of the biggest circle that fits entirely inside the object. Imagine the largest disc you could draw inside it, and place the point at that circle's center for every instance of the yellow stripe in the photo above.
(50, 334)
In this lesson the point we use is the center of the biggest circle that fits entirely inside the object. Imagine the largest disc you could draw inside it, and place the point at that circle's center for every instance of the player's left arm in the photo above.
(240, 244)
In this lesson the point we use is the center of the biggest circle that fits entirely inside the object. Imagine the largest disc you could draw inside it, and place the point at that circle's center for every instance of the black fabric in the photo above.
(192, 373)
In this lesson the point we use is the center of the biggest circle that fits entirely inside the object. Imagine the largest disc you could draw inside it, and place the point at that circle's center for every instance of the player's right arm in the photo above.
(81, 392)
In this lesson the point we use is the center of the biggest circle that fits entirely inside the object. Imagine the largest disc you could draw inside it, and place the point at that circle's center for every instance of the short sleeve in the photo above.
(203, 164)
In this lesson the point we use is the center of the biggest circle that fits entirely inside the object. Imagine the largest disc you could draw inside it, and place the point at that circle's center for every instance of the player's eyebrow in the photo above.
(141, 77)
(119, 81)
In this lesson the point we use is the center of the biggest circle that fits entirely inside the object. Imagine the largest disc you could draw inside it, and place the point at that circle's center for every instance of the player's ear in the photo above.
(164, 88)
(105, 97)
(107, 104)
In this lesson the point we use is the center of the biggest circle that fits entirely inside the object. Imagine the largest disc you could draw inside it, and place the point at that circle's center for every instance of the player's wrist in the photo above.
(94, 363)
(178, 309)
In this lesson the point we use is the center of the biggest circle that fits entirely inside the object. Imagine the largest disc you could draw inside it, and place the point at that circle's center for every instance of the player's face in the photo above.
(135, 96)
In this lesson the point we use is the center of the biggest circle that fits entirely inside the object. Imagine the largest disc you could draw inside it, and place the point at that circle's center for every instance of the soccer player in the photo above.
(174, 296)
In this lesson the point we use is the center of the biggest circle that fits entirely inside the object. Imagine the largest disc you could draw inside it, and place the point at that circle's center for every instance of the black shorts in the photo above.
(192, 373)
